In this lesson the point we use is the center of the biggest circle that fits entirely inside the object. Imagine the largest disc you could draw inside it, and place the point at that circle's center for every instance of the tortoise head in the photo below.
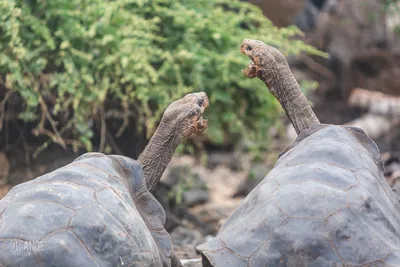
(270, 65)
(263, 59)
(186, 114)
(181, 119)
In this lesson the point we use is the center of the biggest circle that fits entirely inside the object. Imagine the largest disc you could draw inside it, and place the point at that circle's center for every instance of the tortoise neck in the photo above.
(158, 153)
(286, 90)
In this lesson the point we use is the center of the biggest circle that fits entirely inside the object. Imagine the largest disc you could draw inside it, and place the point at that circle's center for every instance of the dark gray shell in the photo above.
(96, 211)
(325, 203)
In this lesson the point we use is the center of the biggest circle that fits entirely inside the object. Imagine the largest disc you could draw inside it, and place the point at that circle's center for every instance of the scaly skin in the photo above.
(181, 119)
(268, 64)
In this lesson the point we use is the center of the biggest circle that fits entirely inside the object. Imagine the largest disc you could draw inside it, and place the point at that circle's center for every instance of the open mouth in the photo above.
(201, 122)
(200, 118)
(251, 70)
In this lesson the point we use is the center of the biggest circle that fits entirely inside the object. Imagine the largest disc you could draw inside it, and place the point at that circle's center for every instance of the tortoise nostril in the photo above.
(194, 112)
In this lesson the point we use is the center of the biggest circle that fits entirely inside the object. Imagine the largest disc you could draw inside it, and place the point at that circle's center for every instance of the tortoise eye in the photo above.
(249, 48)
(200, 102)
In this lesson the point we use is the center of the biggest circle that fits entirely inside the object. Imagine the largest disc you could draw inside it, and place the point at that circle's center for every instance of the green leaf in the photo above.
(142, 53)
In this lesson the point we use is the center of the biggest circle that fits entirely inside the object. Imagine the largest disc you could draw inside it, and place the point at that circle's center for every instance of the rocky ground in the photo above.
(216, 203)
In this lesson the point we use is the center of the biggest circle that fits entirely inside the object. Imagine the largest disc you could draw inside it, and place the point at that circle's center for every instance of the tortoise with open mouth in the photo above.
(98, 210)
(325, 203)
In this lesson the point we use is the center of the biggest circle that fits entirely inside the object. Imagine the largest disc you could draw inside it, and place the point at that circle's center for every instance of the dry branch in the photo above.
(374, 125)
(3, 107)
(103, 130)
(376, 102)
(317, 67)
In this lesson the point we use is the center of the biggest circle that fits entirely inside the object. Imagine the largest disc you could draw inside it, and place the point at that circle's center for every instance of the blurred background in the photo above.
(96, 75)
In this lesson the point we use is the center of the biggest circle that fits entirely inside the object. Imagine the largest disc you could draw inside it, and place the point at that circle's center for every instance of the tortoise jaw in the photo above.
(251, 70)
(201, 123)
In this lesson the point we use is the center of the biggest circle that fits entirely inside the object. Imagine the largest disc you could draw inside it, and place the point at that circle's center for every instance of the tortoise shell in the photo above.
(325, 203)
(96, 211)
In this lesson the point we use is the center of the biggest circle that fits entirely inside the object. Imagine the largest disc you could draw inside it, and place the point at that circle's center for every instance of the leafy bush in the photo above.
(67, 58)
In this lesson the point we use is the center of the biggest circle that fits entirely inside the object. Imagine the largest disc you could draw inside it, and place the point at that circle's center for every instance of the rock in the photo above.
(179, 189)
(182, 173)
(228, 159)
(196, 262)
(192, 263)
(172, 209)
(392, 170)
(396, 186)
(185, 241)
(291, 134)
(195, 197)
(391, 161)
(185, 185)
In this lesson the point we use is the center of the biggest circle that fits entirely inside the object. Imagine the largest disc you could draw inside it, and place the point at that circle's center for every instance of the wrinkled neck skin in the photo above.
(158, 153)
(286, 90)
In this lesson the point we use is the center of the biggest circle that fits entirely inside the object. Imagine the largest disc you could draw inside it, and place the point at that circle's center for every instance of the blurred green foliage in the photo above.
(393, 11)
(66, 58)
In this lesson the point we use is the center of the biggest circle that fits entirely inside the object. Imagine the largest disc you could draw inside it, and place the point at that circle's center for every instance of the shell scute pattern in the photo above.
(347, 230)
(29, 214)
(333, 176)
(67, 194)
(290, 241)
(75, 174)
(61, 249)
(101, 215)
(256, 232)
(329, 152)
(15, 259)
(334, 207)
(103, 235)
(393, 259)
(320, 200)
(375, 213)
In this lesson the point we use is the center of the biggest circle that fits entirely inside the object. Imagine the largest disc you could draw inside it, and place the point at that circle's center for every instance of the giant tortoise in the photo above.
(325, 203)
(98, 210)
